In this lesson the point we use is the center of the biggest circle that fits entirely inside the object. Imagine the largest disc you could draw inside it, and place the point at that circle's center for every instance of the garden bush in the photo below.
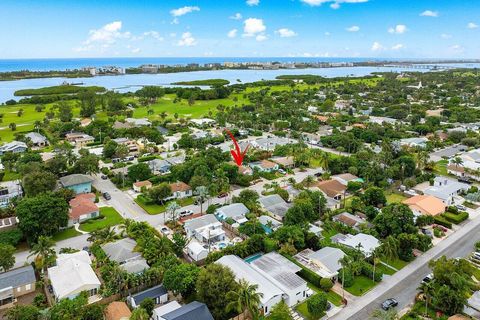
(443, 222)
(348, 277)
(326, 284)
(11, 237)
(367, 271)
(456, 218)
(317, 305)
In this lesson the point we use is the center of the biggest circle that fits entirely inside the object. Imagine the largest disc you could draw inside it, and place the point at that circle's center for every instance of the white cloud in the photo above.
(261, 37)
(183, 11)
(472, 25)
(253, 2)
(253, 26)
(353, 29)
(446, 36)
(187, 40)
(232, 33)
(398, 29)
(236, 16)
(457, 48)
(136, 50)
(376, 46)
(327, 33)
(154, 34)
(107, 34)
(429, 13)
(334, 4)
(286, 33)
(398, 46)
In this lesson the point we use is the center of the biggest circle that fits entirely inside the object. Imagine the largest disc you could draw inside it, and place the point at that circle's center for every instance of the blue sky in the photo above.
(240, 28)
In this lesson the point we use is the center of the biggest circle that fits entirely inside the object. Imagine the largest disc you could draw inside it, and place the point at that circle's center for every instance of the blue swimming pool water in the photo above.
(252, 258)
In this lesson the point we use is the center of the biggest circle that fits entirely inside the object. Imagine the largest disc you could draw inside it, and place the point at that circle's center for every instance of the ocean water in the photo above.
(133, 82)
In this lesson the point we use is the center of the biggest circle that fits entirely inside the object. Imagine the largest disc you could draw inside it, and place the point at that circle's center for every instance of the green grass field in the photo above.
(154, 208)
(384, 269)
(397, 263)
(361, 285)
(395, 198)
(66, 234)
(441, 167)
(110, 218)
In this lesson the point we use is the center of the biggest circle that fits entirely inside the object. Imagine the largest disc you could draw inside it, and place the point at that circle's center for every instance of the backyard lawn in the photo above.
(397, 263)
(10, 175)
(110, 217)
(361, 285)
(395, 198)
(302, 308)
(441, 167)
(154, 208)
(65, 234)
(384, 269)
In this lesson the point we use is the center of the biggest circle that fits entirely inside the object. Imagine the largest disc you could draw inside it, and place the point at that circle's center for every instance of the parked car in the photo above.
(282, 171)
(104, 177)
(186, 213)
(461, 207)
(465, 180)
(427, 232)
(389, 303)
(165, 230)
(222, 195)
(107, 196)
(428, 278)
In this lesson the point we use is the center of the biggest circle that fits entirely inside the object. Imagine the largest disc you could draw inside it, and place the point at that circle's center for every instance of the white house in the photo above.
(364, 242)
(269, 144)
(8, 191)
(271, 294)
(180, 190)
(206, 229)
(37, 139)
(414, 142)
(72, 275)
(447, 190)
(14, 147)
(282, 273)
(235, 211)
(196, 251)
(324, 262)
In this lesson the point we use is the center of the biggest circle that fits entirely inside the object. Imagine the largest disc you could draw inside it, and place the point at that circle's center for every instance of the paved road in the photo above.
(403, 284)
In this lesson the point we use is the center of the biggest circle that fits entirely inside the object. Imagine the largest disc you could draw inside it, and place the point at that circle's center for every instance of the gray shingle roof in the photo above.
(75, 179)
(329, 257)
(193, 311)
(121, 250)
(17, 277)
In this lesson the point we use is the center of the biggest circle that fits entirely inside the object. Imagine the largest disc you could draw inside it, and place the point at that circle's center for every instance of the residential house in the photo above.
(275, 205)
(79, 139)
(283, 274)
(350, 220)
(79, 183)
(131, 145)
(269, 224)
(363, 242)
(117, 310)
(180, 190)
(197, 251)
(85, 122)
(271, 294)
(269, 144)
(142, 122)
(203, 122)
(382, 120)
(447, 190)
(284, 162)
(414, 142)
(37, 139)
(312, 138)
(426, 205)
(16, 283)
(73, 275)
(140, 186)
(14, 147)
(244, 169)
(456, 170)
(448, 152)
(324, 262)
(332, 188)
(158, 166)
(345, 178)
(123, 252)
(8, 223)
(158, 294)
(235, 211)
(174, 311)
(82, 208)
(264, 166)
(8, 191)
(206, 229)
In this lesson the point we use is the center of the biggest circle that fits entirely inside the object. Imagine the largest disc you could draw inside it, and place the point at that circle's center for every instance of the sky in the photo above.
(240, 28)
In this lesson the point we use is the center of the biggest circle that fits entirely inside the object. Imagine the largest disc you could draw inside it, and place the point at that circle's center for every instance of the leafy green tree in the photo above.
(87, 101)
(280, 312)
(406, 244)
(180, 241)
(86, 164)
(109, 148)
(159, 192)
(317, 305)
(139, 172)
(64, 111)
(389, 248)
(394, 219)
(213, 284)
(38, 182)
(139, 314)
(23, 312)
(7, 258)
(68, 308)
(290, 234)
(42, 215)
(380, 314)
(92, 312)
(148, 304)
(245, 299)
(374, 196)
(181, 279)
(249, 198)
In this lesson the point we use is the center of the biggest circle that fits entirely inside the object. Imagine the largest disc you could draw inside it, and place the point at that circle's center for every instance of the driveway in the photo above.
(403, 284)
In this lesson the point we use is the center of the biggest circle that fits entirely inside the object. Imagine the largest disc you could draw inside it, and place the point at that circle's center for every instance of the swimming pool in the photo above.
(252, 258)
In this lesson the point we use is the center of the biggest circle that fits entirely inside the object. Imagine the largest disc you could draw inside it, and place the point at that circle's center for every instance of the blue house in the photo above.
(79, 183)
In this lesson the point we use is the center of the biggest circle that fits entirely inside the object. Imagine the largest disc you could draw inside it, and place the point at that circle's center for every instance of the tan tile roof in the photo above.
(179, 186)
(331, 187)
(140, 184)
(428, 205)
(117, 310)
(453, 167)
(267, 164)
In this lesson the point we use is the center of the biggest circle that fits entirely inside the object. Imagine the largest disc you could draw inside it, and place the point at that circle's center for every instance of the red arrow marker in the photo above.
(237, 154)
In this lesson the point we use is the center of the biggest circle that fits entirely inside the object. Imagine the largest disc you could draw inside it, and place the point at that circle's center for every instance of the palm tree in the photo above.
(457, 161)
(201, 192)
(345, 262)
(379, 314)
(389, 248)
(124, 226)
(309, 180)
(103, 235)
(427, 291)
(324, 158)
(172, 208)
(44, 251)
(245, 299)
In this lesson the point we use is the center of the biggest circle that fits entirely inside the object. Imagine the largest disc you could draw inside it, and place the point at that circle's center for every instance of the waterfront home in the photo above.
(79, 183)
(73, 275)
(8, 191)
(16, 283)
(14, 147)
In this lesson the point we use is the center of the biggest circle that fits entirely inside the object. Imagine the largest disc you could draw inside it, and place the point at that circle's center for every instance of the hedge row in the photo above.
(443, 222)
(146, 158)
(456, 218)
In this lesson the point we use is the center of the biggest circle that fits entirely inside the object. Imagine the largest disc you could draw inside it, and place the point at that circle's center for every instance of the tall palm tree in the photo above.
(427, 291)
(457, 161)
(103, 235)
(44, 251)
(201, 192)
(324, 159)
(346, 261)
(389, 248)
(245, 299)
